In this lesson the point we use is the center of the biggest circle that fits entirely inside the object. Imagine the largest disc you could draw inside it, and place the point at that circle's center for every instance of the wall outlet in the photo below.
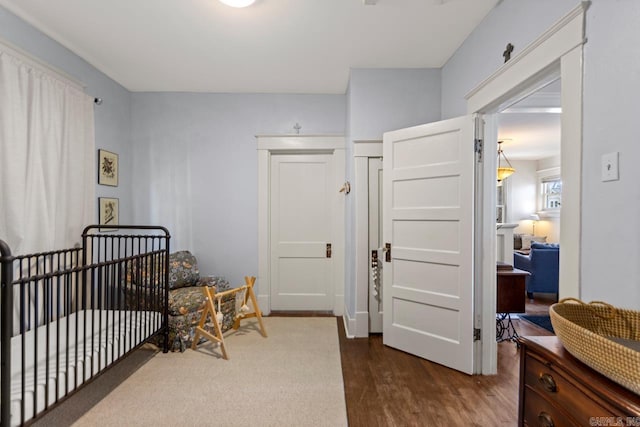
(610, 167)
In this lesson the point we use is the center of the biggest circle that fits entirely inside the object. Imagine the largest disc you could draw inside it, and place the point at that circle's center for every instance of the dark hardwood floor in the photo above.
(387, 387)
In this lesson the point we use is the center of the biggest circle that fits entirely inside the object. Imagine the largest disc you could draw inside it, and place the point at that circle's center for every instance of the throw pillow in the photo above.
(517, 241)
(527, 239)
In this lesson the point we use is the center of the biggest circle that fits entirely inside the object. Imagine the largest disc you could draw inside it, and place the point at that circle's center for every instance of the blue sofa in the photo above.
(543, 262)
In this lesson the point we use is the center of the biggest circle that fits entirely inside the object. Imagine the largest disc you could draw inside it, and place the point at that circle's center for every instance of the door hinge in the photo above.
(387, 252)
(328, 254)
(479, 145)
(476, 334)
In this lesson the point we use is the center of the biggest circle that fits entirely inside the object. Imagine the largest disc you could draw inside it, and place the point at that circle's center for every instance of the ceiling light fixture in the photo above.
(238, 3)
(503, 171)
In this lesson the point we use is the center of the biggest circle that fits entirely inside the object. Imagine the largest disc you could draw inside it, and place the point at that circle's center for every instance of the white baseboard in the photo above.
(263, 302)
(347, 321)
(357, 327)
(362, 324)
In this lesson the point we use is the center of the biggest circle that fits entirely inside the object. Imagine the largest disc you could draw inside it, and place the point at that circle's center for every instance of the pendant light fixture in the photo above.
(503, 171)
(238, 3)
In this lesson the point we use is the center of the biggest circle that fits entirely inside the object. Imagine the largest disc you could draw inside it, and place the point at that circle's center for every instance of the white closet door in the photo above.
(301, 269)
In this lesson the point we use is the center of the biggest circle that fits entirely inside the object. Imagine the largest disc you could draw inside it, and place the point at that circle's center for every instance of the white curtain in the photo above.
(47, 157)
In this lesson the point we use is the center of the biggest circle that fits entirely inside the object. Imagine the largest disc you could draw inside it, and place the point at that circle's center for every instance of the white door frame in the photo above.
(358, 326)
(559, 48)
(298, 144)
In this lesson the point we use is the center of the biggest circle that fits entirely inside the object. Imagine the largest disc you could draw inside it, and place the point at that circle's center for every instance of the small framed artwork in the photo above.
(108, 208)
(107, 168)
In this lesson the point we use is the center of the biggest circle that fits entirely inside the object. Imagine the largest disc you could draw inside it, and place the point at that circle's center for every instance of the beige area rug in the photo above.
(291, 378)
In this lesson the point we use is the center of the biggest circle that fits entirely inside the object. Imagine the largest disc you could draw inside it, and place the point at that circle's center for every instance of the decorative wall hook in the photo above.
(346, 188)
(507, 52)
(297, 128)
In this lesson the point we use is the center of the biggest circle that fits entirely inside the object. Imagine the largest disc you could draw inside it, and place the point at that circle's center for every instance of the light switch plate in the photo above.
(610, 167)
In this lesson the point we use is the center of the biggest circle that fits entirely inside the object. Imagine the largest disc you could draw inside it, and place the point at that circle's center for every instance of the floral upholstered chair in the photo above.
(186, 299)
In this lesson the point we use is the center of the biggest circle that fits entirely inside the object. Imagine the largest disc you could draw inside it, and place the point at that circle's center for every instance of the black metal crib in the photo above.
(68, 315)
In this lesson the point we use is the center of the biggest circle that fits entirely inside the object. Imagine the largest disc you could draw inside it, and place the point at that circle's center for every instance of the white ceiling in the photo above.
(530, 129)
(274, 46)
(530, 136)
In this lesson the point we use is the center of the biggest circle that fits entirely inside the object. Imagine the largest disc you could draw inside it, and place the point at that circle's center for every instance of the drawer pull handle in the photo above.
(548, 383)
(545, 420)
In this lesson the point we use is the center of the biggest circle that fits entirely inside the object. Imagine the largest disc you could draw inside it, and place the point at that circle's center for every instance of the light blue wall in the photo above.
(518, 22)
(381, 100)
(190, 160)
(610, 232)
(212, 137)
(112, 118)
(611, 210)
(196, 166)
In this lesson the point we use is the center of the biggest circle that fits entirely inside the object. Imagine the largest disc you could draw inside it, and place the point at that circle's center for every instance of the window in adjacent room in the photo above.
(501, 205)
(550, 195)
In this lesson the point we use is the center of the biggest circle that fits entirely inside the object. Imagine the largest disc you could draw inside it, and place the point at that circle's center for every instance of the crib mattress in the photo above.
(74, 348)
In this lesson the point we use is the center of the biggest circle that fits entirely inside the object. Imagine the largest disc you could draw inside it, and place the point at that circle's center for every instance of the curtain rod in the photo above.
(35, 61)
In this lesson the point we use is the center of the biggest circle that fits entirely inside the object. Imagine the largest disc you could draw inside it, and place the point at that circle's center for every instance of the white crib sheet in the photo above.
(114, 333)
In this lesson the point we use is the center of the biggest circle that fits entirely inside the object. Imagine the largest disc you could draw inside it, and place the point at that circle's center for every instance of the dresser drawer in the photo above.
(541, 412)
(548, 382)
(557, 388)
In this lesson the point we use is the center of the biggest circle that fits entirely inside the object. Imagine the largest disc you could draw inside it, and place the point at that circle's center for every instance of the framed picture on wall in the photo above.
(108, 208)
(107, 168)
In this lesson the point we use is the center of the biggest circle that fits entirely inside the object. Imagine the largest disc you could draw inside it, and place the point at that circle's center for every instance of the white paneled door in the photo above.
(302, 194)
(428, 216)
(375, 242)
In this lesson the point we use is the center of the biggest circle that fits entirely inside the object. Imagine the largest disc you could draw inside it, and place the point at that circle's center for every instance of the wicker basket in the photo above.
(601, 336)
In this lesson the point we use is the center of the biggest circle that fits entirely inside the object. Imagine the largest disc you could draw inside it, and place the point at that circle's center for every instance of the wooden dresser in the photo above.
(511, 289)
(558, 390)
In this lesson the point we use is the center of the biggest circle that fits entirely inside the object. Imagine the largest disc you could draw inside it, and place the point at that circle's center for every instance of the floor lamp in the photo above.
(535, 218)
